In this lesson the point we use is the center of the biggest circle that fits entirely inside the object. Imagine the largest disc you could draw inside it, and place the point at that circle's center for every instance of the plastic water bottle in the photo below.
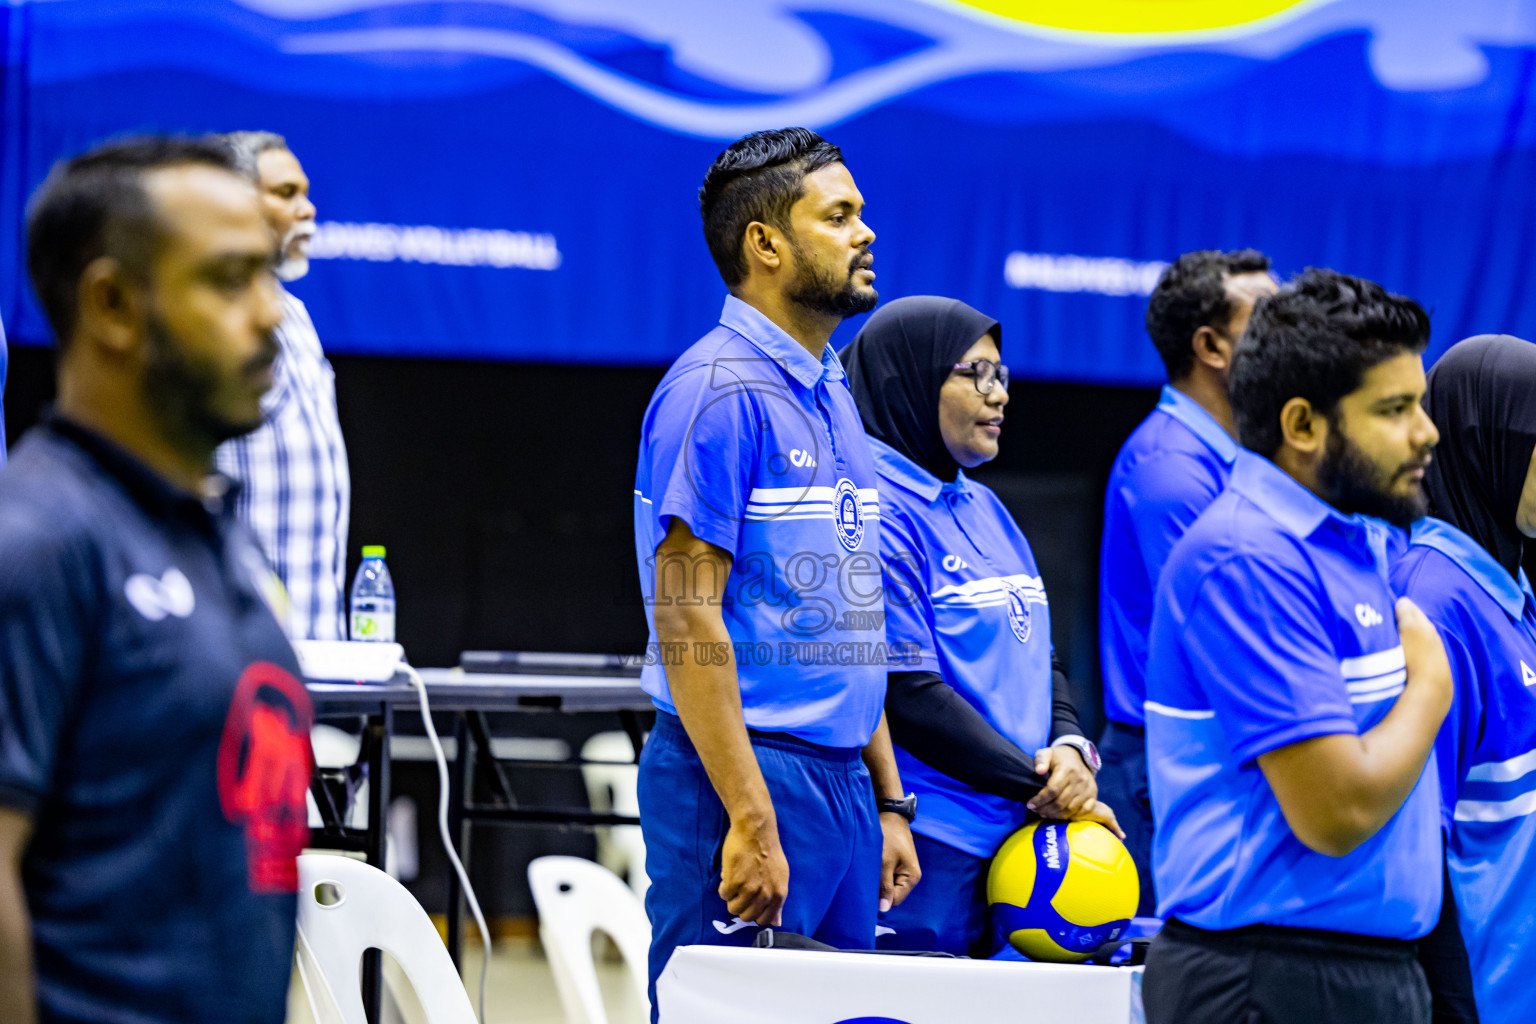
(373, 598)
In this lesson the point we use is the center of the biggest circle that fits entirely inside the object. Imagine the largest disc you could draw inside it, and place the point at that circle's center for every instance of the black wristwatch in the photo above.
(905, 806)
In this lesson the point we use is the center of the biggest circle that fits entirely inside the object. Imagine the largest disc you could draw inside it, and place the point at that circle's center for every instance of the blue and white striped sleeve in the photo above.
(908, 607)
(702, 445)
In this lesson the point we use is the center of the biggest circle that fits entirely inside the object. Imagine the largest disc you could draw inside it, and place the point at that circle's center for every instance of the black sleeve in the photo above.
(936, 725)
(1063, 709)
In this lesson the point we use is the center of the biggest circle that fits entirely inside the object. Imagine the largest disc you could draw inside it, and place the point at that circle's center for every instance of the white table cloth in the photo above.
(715, 984)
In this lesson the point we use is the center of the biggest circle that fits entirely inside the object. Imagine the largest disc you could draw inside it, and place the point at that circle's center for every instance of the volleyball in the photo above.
(1059, 890)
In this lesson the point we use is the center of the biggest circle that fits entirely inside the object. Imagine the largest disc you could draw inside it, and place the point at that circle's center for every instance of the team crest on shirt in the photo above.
(848, 515)
(264, 767)
(1019, 619)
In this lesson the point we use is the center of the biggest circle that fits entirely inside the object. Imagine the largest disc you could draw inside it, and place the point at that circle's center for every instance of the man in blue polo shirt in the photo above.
(1291, 707)
(1171, 467)
(154, 736)
(757, 533)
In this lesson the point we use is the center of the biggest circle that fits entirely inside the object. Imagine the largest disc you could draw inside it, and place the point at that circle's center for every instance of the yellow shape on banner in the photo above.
(1135, 16)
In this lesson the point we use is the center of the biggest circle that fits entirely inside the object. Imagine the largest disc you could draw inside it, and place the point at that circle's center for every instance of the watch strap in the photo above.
(906, 806)
(1083, 745)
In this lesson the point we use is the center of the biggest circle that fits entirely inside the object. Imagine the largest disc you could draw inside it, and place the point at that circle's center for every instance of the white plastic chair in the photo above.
(576, 897)
(366, 909)
(612, 785)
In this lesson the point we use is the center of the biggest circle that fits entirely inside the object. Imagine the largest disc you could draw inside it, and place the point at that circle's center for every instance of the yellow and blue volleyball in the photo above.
(1059, 890)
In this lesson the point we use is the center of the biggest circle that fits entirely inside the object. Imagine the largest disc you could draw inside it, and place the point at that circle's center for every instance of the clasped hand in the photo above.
(1070, 792)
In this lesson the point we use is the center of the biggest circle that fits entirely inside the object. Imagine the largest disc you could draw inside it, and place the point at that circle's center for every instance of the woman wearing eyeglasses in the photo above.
(984, 725)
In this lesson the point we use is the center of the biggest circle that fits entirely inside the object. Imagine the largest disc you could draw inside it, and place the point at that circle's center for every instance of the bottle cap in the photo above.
(373, 550)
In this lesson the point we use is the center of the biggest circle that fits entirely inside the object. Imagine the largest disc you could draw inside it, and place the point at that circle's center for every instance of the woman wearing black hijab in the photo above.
(1462, 567)
(981, 717)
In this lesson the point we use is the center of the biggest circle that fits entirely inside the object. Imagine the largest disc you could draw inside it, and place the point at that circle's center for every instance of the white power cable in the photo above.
(442, 825)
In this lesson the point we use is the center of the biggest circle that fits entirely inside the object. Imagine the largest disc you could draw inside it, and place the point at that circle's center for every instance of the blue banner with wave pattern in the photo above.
(516, 179)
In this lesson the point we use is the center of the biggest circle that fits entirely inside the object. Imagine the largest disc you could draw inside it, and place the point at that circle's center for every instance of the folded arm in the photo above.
(1338, 791)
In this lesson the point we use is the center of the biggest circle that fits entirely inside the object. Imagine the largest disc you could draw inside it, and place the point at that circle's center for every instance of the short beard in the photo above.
(291, 268)
(181, 391)
(1353, 484)
(822, 293)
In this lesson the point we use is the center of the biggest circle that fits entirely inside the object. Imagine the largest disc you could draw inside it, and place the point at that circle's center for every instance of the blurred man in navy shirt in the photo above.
(154, 737)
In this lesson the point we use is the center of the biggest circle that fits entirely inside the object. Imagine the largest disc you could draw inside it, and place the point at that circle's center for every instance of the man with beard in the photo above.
(756, 532)
(154, 737)
(1291, 707)
(296, 488)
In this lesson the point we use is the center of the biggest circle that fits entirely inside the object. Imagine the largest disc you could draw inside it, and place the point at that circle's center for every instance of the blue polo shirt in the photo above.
(758, 447)
(1171, 467)
(963, 591)
(1486, 754)
(1275, 624)
(153, 727)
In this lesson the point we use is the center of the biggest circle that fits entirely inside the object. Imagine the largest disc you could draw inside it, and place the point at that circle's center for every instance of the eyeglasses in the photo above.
(985, 373)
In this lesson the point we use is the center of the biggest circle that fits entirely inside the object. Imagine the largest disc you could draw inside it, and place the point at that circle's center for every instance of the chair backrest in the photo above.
(347, 907)
(612, 785)
(576, 897)
(611, 775)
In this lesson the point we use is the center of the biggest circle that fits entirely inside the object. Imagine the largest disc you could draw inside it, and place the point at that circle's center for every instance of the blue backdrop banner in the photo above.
(516, 179)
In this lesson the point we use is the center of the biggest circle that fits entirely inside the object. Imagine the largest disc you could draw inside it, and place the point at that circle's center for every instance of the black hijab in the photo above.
(1482, 397)
(898, 364)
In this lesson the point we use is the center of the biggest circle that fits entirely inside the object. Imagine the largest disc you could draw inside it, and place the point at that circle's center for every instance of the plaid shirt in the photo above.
(296, 492)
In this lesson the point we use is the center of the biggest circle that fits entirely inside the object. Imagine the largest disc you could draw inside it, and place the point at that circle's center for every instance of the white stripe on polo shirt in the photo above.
(1504, 771)
(1373, 677)
(783, 504)
(1189, 714)
(1511, 770)
(991, 591)
(1496, 810)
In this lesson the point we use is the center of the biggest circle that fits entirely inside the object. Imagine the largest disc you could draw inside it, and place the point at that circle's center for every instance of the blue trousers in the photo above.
(1123, 786)
(828, 827)
(948, 911)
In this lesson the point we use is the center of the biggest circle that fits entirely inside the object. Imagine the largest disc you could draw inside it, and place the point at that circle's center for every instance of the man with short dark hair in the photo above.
(296, 485)
(1292, 705)
(154, 735)
(1171, 467)
(756, 532)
